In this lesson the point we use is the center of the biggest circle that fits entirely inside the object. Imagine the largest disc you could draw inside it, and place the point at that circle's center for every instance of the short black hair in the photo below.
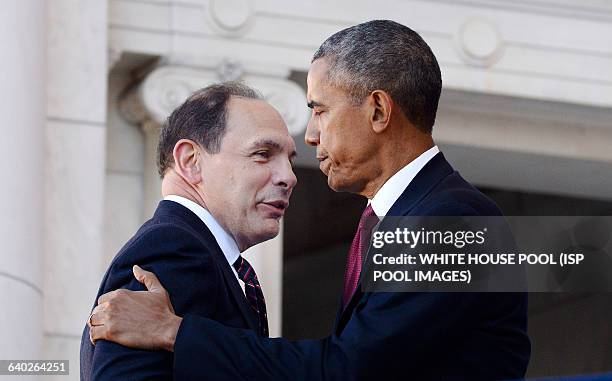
(386, 55)
(201, 118)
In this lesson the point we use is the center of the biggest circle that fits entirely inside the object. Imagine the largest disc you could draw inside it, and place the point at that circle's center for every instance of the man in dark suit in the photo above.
(225, 161)
(374, 90)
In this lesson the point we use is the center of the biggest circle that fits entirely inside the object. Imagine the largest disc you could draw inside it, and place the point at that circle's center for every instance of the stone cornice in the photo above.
(558, 51)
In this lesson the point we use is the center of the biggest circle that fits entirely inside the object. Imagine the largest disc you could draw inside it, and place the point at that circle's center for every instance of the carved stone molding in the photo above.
(151, 128)
(232, 18)
(229, 70)
(516, 41)
(131, 107)
(168, 86)
(479, 42)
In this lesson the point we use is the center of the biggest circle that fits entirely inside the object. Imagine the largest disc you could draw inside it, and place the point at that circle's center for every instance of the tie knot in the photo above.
(244, 269)
(368, 212)
(368, 217)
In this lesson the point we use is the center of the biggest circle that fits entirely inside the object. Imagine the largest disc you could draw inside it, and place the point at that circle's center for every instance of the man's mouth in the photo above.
(276, 207)
(324, 164)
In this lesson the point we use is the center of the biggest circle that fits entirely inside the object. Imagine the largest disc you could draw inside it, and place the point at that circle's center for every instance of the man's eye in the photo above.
(262, 154)
(317, 112)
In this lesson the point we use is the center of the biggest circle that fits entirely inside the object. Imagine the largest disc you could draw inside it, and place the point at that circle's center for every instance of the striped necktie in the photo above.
(253, 292)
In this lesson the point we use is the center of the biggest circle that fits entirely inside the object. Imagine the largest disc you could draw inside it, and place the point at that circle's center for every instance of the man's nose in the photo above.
(312, 133)
(286, 177)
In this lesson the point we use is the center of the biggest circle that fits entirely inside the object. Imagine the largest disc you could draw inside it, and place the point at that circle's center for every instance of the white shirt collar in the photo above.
(227, 244)
(393, 188)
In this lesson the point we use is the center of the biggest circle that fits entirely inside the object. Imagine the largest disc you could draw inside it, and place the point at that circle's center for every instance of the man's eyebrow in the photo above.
(313, 104)
(269, 143)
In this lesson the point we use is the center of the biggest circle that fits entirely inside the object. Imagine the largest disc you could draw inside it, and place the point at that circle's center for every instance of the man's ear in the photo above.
(382, 106)
(187, 160)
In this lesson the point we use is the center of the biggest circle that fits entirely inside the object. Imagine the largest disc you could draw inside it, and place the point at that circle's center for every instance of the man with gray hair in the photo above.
(374, 90)
(225, 161)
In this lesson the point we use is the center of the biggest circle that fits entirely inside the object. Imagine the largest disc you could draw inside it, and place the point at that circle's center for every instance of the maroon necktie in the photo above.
(358, 247)
(252, 290)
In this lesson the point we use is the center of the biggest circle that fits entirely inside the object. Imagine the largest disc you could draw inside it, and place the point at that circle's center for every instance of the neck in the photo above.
(243, 245)
(173, 184)
(394, 155)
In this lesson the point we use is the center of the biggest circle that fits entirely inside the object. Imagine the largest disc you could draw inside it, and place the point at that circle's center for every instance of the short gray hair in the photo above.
(385, 55)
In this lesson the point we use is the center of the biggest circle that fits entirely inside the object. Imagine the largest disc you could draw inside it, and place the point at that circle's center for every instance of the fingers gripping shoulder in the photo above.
(181, 263)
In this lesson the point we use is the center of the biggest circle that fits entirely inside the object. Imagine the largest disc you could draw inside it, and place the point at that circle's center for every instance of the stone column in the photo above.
(167, 86)
(75, 171)
(22, 106)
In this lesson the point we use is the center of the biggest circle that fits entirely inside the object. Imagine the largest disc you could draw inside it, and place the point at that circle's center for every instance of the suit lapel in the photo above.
(210, 242)
(428, 177)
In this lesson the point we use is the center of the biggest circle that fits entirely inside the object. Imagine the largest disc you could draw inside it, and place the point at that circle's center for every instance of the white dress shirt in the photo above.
(393, 188)
(228, 245)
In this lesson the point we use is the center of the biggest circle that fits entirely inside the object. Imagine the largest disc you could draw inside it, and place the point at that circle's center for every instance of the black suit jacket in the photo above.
(178, 247)
(383, 336)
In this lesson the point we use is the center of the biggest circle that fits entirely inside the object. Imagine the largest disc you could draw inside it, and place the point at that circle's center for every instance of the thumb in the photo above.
(148, 279)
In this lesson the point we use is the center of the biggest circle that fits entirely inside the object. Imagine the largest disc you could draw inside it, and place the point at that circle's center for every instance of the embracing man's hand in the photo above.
(136, 319)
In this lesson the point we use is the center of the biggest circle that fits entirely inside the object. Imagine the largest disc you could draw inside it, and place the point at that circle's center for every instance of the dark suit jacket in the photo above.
(178, 247)
(382, 336)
